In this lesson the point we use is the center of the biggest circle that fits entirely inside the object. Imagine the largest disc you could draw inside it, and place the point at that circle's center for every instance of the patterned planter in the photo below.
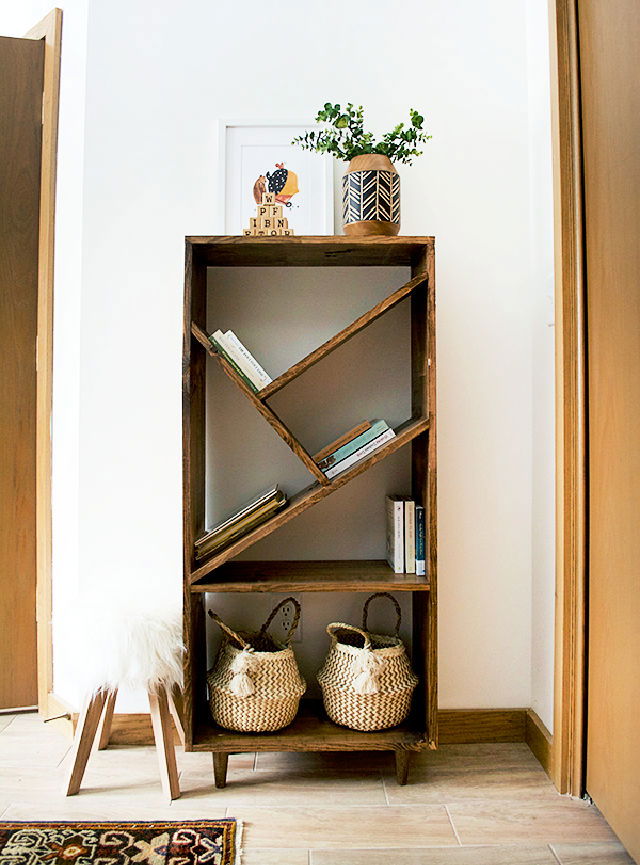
(371, 196)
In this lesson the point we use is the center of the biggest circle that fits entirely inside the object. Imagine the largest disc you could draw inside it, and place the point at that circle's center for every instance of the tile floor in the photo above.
(464, 804)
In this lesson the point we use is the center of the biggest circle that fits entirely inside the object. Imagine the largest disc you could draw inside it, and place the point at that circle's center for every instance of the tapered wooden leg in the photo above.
(83, 740)
(163, 734)
(220, 760)
(107, 718)
(174, 698)
(402, 766)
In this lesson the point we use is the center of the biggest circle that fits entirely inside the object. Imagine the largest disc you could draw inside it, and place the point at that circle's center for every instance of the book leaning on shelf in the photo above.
(240, 358)
(249, 517)
(354, 446)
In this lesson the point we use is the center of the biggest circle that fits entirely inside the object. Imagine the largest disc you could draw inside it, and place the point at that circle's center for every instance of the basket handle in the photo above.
(228, 630)
(365, 611)
(294, 623)
(342, 626)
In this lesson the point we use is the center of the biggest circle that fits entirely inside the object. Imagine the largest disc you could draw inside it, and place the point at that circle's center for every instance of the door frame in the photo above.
(569, 737)
(49, 29)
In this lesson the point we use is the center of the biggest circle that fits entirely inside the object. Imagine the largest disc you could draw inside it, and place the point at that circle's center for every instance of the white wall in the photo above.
(541, 270)
(159, 77)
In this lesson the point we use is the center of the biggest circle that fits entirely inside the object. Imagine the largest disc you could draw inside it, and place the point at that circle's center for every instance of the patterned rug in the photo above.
(202, 842)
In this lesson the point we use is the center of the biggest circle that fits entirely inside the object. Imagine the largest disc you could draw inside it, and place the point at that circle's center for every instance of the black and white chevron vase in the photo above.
(371, 195)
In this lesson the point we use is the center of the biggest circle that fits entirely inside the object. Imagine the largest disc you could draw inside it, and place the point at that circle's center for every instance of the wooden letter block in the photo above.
(268, 197)
(261, 232)
(275, 210)
(263, 210)
(281, 222)
(287, 232)
(247, 232)
(266, 222)
(253, 222)
(274, 232)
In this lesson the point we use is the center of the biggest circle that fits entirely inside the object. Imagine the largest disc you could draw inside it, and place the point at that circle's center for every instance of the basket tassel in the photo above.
(241, 685)
(370, 668)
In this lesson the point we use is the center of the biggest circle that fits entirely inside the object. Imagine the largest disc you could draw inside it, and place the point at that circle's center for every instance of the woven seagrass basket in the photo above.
(367, 681)
(255, 685)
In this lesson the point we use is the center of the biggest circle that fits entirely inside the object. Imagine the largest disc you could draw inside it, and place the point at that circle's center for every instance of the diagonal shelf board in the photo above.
(267, 413)
(340, 338)
(309, 496)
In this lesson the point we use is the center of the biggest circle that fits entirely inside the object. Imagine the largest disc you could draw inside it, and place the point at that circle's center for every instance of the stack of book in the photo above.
(235, 353)
(353, 446)
(251, 515)
(406, 532)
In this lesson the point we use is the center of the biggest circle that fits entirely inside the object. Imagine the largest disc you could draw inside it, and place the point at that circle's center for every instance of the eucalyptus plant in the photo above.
(344, 135)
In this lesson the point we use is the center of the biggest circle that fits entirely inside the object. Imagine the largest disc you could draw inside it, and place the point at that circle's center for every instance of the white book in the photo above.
(261, 374)
(395, 533)
(361, 453)
(237, 358)
(409, 536)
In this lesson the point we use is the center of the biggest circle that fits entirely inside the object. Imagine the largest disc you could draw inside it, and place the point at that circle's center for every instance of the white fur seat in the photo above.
(137, 647)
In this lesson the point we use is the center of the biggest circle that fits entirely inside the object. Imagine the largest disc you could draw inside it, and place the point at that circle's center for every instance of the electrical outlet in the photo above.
(282, 624)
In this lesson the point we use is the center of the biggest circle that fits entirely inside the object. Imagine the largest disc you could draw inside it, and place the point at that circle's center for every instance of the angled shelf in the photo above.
(310, 496)
(267, 413)
(221, 571)
(340, 338)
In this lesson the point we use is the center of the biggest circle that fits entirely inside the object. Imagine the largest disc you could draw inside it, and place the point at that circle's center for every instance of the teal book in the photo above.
(421, 530)
(222, 351)
(377, 428)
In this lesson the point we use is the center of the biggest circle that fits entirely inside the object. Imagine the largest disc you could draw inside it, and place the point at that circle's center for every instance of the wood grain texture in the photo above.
(341, 575)
(481, 725)
(423, 486)
(540, 740)
(609, 40)
(193, 473)
(104, 730)
(262, 408)
(456, 726)
(83, 741)
(49, 31)
(344, 335)
(570, 338)
(21, 75)
(316, 251)
(165, 748)
(310, 496)
(311, 730)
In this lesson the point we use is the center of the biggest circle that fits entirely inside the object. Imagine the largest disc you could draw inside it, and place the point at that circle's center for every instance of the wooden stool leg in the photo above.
(163, 734)
(220, 760)
(107, 718)
(83, 741)
(174, 698)
(402, 766)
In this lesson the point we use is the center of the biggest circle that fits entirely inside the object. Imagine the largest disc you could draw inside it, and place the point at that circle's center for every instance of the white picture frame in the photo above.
(249, 148)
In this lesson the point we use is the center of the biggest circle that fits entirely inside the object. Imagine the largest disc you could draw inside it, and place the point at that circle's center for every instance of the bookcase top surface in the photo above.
(308, 251)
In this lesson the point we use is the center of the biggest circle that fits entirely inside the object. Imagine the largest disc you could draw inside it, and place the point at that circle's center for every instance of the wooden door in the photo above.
(609, 39)
(21, 81)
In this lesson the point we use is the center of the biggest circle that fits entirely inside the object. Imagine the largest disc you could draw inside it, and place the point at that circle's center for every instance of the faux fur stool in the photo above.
(133, 648)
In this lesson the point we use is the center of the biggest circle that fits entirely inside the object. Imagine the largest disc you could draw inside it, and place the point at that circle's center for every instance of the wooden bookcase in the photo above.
(311, 730)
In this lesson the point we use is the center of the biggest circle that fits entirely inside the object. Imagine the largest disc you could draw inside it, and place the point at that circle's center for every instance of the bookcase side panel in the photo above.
(432, 507)
(193, 440)
(424, 489)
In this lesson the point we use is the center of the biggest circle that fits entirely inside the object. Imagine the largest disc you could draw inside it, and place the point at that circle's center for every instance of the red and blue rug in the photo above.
(200, 842)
